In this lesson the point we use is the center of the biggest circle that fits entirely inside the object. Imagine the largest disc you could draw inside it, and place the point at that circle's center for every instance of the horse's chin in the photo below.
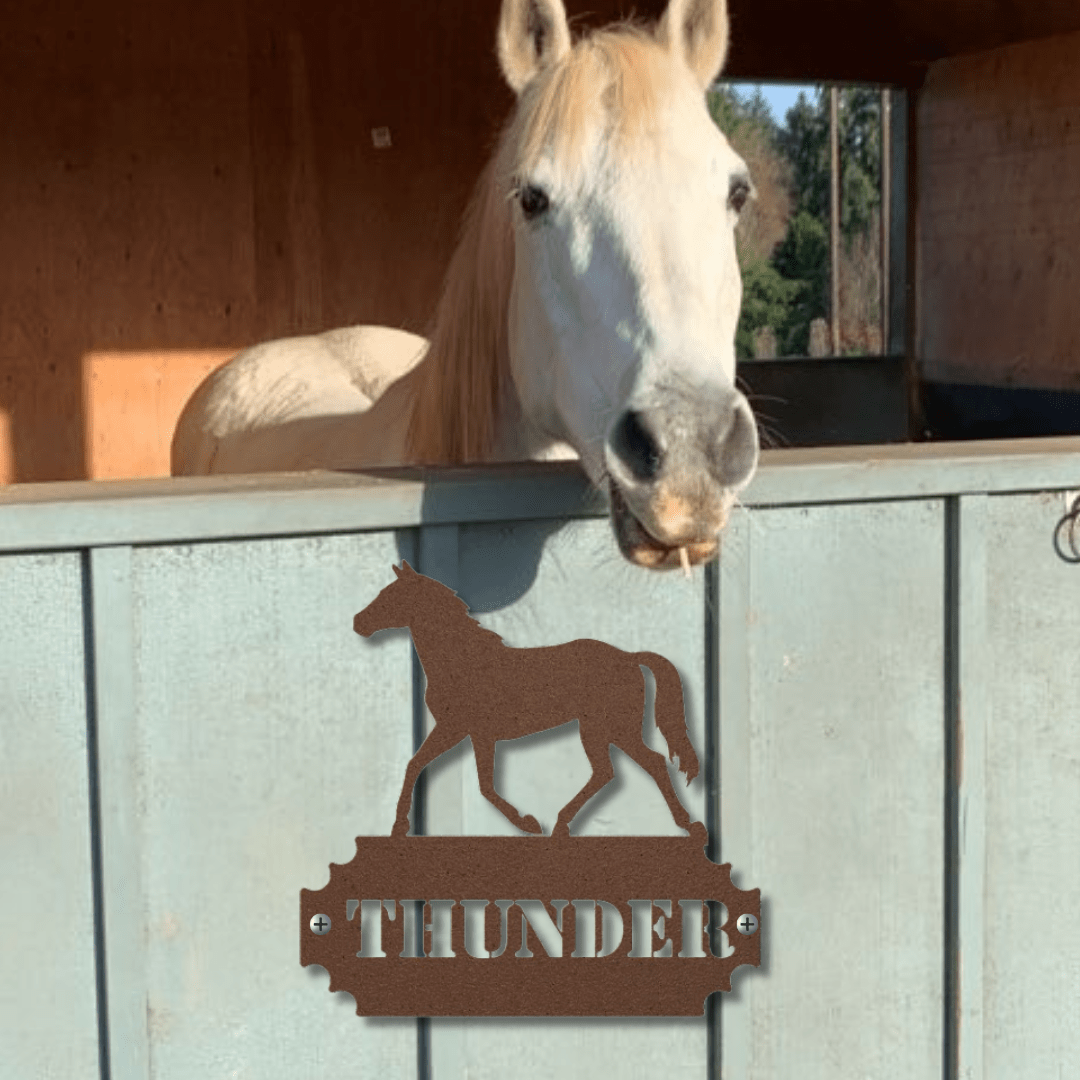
(640, 547)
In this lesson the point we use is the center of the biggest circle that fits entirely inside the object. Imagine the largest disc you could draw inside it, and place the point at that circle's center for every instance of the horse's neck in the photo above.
(519, 438)
(469, 641)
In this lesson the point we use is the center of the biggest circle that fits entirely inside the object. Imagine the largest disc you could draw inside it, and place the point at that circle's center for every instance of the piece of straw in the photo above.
(684, 558)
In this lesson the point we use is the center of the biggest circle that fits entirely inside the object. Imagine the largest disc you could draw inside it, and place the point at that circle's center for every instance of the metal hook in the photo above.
(1066, 537)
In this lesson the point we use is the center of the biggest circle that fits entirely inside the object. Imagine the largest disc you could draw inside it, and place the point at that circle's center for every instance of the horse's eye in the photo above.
(738, 193)
(534, 201)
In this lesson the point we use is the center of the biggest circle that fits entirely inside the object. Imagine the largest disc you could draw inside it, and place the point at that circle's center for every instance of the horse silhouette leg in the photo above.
(485, 773)
(656, 766)
(598, 752)
(438, 741)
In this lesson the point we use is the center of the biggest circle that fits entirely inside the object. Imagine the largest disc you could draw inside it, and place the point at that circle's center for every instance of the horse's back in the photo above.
(286, 404)
(567, 674)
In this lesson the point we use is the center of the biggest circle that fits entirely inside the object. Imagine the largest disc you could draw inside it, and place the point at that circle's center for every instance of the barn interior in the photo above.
(180, 180)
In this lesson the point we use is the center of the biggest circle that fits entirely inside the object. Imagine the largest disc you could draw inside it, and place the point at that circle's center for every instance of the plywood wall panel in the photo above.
(181, 180)
(124, 206)
(177, 183)
(998, 221)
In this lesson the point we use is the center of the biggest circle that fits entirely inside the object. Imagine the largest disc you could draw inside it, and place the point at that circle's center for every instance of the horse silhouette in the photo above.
(481, 688)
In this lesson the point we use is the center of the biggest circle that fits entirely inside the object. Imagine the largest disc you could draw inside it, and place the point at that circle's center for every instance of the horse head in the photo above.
(395, 605)
(626, 288)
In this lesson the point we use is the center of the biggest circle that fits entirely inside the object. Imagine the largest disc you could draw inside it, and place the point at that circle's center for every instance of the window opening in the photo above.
(815, 247)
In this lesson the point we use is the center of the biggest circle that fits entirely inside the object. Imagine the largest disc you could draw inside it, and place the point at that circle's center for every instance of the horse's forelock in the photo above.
(623, 67)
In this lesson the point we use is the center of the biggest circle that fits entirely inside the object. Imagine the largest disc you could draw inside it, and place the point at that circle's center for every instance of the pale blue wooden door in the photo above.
(883, 666)
(48, 993)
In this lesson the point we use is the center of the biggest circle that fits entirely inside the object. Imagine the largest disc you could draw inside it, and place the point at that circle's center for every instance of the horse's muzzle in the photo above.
(675, 469)
(642, 548)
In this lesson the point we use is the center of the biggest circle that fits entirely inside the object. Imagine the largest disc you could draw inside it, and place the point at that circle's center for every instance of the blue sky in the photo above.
(780, 96)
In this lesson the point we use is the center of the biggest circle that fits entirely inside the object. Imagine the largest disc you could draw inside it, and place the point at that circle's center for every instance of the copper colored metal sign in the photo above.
(529, 926)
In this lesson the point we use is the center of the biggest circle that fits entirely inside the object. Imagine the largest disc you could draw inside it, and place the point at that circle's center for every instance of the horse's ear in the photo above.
(406, 569)
(697, 30)
(533, 35)
(397, 569)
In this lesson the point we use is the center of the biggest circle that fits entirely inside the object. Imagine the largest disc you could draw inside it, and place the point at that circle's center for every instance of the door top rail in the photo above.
(85, 514)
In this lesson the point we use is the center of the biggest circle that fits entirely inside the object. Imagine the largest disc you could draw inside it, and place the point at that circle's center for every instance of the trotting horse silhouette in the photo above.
(481, 688)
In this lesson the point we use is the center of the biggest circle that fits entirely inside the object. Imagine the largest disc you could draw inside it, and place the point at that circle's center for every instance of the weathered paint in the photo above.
(48, 1021)
(890, 700)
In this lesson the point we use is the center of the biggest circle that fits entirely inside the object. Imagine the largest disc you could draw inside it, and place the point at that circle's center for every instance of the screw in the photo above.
(747, 924)
(320, 924)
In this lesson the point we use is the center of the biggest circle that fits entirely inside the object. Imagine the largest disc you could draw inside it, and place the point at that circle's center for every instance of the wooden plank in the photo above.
(969, 714)
(887, 168)
(834, 219)
(44, 516)
(999, 146)
(538, 583)
(125, 210)
(883, 40)
(897, 276)
(1032, 936)
(270, 736)
(31, 517)
(837, 808)
(119, 825)
(176, 185)
(733, 1033)
(48, 1001)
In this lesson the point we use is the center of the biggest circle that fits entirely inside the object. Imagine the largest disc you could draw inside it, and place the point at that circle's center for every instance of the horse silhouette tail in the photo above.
(670, 712)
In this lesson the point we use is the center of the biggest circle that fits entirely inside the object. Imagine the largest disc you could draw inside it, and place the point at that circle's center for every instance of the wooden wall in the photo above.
(998, 266)
(182, 179)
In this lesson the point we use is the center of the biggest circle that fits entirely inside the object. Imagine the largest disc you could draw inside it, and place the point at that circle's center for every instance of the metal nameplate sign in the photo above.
(558, 925)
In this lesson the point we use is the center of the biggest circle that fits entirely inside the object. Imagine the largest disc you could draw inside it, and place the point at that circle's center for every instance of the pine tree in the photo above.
(786, 278)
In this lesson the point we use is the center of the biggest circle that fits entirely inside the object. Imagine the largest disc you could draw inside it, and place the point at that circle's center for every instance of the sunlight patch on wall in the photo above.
(7, 449)
(131, 402)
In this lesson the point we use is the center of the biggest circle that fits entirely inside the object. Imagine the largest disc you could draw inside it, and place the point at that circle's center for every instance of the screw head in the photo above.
(746, 924)
(320, 924)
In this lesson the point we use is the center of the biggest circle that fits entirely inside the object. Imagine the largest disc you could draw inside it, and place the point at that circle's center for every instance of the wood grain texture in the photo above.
(184, 182)
(124, 204)
(179, 183)
(998, 226)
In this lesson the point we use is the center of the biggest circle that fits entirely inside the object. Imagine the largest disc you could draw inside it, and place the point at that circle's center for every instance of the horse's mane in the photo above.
(466, 371)
(452, 608)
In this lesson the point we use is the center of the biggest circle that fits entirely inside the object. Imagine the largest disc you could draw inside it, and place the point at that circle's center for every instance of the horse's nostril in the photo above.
(636, 446)
(739, 449)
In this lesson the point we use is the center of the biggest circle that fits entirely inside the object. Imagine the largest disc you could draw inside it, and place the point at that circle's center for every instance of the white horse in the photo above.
(589, 310)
